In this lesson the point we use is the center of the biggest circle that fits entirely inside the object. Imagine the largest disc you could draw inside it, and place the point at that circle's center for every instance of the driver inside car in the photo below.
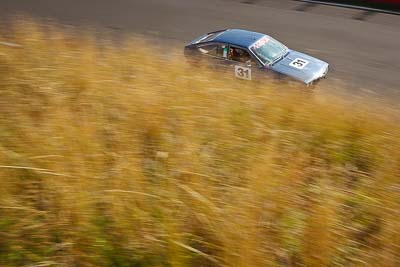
(239, 55)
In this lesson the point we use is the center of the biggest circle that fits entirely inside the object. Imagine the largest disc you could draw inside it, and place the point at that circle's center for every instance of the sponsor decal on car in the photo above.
(261, 42)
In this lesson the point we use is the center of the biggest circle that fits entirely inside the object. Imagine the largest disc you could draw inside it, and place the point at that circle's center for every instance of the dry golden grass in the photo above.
(119, 155)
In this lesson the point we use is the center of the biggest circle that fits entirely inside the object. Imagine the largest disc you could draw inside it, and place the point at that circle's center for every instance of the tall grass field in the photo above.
(120, 153)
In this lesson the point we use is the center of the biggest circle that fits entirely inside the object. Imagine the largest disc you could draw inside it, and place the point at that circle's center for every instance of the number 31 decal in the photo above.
(243, 72)
(299, 63)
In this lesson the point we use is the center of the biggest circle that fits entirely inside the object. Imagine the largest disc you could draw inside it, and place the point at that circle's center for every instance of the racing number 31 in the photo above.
(299, 63)
(243, 72)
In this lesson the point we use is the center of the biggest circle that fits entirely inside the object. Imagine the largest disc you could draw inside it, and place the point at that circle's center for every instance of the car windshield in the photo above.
(268, 49)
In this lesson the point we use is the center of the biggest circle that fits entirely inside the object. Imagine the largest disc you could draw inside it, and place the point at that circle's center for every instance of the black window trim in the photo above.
(260, 65)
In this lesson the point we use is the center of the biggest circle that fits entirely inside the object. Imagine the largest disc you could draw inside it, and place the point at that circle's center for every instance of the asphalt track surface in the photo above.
(362, 48)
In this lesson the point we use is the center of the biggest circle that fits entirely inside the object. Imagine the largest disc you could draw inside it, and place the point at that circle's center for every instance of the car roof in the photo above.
(241, 38)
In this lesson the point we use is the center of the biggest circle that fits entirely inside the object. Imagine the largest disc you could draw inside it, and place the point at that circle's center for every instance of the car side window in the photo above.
(214, 50)
(239, 55)
(209, 50)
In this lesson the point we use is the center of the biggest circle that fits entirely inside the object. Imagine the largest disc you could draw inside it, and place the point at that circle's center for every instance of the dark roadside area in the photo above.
(387, 5)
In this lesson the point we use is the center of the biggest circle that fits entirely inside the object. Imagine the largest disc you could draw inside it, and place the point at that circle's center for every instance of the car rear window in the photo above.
(209, 37)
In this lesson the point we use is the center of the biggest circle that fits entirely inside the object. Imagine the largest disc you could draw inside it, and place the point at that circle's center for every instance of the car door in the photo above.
(219, 56)
(242, 65)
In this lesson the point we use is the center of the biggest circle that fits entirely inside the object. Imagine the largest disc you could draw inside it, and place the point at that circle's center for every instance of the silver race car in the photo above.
(253, 56)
